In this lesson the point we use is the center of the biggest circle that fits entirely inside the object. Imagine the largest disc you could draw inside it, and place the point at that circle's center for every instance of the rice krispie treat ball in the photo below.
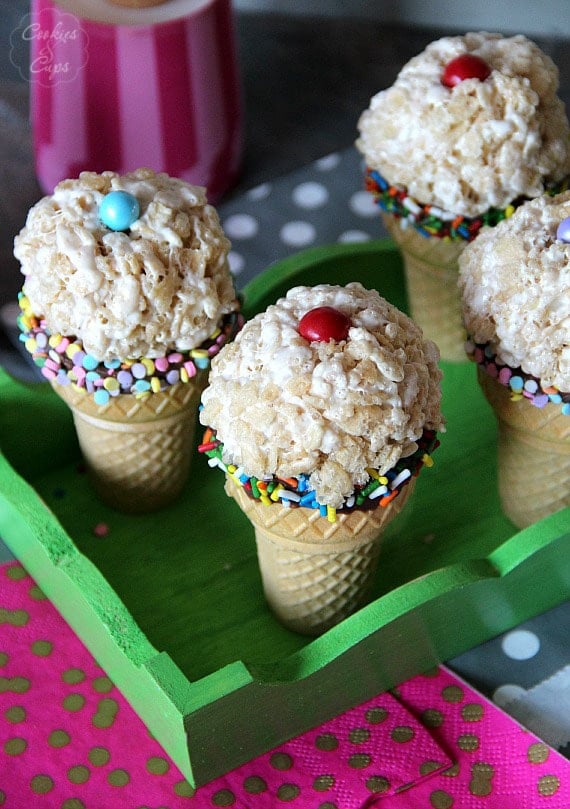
(132, 266)
(127, 296)
(474, 122)
(515, 287)
(471, 128)
(287, 402)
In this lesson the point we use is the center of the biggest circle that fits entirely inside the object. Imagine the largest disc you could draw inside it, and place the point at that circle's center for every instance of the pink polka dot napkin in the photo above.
(69, 740)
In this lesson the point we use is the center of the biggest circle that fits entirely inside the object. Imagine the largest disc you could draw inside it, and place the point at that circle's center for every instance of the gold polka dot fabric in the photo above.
(68, 740)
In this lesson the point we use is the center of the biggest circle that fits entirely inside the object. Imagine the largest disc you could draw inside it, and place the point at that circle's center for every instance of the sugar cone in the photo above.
(431, 269)
(137, 451)
(315, 573)
(533, 455)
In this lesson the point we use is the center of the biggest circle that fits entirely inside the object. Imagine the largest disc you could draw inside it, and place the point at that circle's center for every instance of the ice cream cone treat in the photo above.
(515, 286)
(321, 414)
(127, 296)
(471, 128)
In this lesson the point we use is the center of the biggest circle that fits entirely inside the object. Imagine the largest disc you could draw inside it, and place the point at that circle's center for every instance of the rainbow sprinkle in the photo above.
(431, 221)
(521, 384)
(295, 492)
(63, 360)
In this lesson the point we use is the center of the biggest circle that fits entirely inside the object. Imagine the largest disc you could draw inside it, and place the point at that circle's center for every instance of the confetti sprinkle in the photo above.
(101, 529)
(295, 492)
(432, 221)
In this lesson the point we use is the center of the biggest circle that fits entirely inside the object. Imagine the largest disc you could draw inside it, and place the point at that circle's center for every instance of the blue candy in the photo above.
(118, 210)
(563, 230)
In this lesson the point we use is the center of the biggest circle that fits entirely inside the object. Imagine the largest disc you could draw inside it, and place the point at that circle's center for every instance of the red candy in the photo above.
(466, 66)
(324, 324)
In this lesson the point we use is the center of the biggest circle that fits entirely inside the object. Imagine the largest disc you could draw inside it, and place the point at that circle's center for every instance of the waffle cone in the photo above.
(430, 266)
(137, 451)
(533, 455)
(315, 573)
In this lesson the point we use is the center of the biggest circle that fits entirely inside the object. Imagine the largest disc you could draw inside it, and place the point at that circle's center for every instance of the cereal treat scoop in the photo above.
(321, 415)
(471, 128)
(127, 296)
(515, 287)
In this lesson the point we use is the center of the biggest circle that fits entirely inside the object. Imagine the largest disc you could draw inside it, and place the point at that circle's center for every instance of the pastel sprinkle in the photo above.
(504, 375)
(141, 385)
(125, 379)
(101, 529)
(65, 360)
(72, 349)
(521, 384)
(101, 397)
(138, 370)
(161, 364)
(111, 384)
(89, 362)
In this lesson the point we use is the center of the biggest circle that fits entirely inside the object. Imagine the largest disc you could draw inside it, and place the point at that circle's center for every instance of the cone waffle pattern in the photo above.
(430, 265)
(533, 455)
(314, 572)
(137, 451)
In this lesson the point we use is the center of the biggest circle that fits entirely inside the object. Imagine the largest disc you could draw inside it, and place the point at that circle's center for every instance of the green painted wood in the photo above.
(171, 603)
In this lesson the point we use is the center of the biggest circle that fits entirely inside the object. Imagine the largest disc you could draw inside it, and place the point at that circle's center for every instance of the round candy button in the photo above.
(563, 230)
(324, 324)
(466, 66)
(118, 210)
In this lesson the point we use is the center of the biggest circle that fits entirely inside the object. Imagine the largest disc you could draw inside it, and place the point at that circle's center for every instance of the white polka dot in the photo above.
(310, 195)
(259, 192)
(520, 644)
(362, 204)
(241, 226)
(297, 234)
(505, 694)
(328, 162)
(354, 236)
(236, 262)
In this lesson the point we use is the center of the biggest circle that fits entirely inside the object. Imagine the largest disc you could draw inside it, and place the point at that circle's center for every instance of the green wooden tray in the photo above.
(171, 604)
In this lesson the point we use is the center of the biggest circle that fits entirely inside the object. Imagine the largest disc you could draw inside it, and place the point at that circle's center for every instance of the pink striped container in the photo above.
(164, 95)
